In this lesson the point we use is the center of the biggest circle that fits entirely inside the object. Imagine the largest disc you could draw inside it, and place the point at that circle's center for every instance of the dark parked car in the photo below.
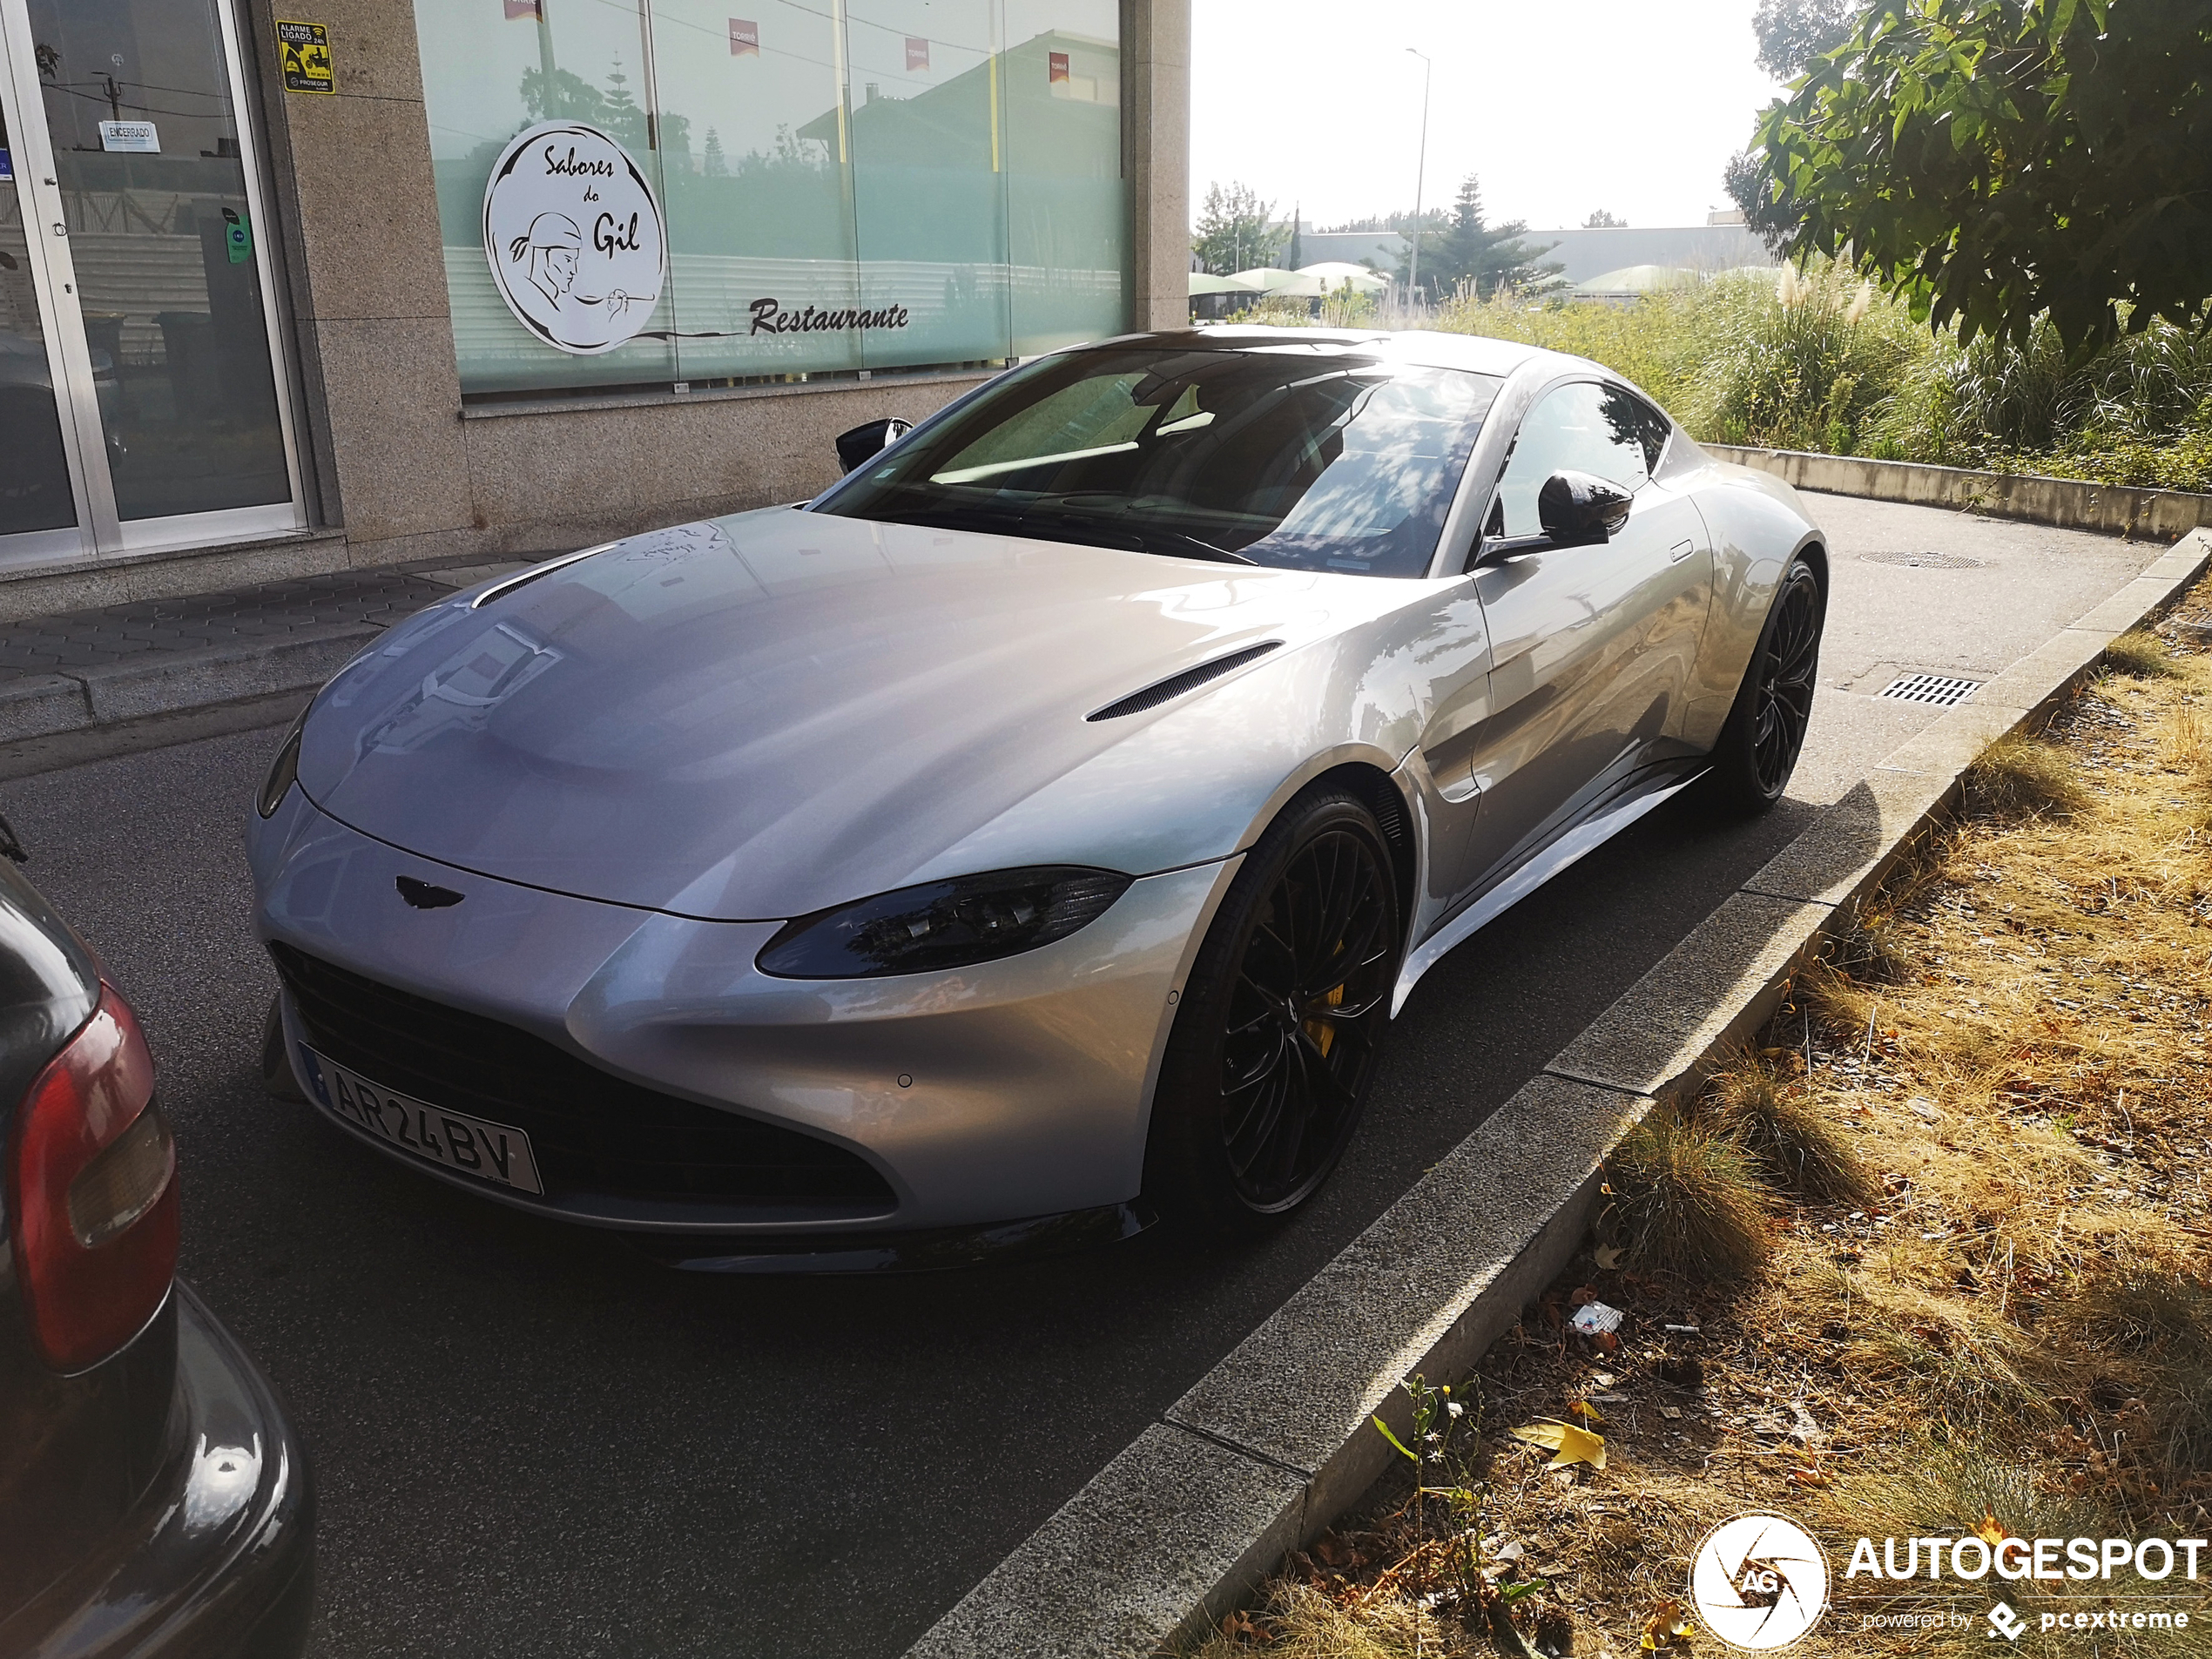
(153, 1499)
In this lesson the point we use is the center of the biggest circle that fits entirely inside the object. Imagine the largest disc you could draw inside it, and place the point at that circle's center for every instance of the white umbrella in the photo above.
(1273, 281)
(1637, 279)
(1202, 283)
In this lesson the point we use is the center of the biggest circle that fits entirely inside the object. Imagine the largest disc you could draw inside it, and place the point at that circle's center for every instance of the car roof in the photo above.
(1427, 347)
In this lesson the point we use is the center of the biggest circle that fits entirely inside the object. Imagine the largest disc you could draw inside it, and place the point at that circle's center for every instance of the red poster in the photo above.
(1055, 67)
(745, 38)
(917, 53)
(522, 9)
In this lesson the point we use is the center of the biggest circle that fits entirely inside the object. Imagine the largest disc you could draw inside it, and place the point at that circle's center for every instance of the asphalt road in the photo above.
(530, 1442)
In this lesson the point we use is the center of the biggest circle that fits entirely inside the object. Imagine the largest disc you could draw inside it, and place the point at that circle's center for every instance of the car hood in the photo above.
(760, 716)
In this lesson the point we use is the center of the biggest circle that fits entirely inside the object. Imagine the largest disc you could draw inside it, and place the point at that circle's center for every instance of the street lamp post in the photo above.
(1421, 171)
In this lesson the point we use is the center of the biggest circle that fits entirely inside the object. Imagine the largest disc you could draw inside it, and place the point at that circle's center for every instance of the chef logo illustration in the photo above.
(574, 237)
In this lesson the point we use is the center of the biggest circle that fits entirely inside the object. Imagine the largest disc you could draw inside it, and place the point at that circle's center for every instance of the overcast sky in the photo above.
(1561, 106)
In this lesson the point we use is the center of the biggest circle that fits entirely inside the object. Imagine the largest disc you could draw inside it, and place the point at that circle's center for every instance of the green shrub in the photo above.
(1818, 361)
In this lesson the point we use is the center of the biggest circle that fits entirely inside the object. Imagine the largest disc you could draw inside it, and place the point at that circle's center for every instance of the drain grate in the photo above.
(1934, 689)
(1921, 561)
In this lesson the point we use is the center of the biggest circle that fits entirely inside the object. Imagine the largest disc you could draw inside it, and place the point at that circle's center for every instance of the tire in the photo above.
(1281, 1020)
(1765, 731)
(276, 1065)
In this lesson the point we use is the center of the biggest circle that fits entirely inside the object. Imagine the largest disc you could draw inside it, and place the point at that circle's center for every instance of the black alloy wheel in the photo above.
(1788, 658)
(1276, 1044)
(1765, 733)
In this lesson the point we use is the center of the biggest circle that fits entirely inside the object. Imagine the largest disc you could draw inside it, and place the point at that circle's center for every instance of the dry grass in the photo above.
(2140, 654)
(2020, 777)
(1791, 1139)
(1688, 1199)
(1945, 1240)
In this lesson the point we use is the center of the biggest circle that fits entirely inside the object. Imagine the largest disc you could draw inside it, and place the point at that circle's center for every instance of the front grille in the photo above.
(592, 1133)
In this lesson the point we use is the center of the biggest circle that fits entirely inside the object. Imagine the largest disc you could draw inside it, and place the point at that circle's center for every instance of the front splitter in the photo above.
(937, 1251)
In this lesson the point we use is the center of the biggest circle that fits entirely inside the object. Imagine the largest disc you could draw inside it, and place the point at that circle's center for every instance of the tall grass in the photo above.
(1818, 361)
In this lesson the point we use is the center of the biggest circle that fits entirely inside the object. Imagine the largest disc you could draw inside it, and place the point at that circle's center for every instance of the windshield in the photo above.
(1298, 460)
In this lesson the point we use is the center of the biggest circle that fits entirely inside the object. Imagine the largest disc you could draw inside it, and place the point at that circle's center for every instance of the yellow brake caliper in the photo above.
(1321, 1031)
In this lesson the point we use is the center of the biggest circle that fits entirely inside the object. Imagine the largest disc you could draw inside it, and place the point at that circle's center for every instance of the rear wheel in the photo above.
(1276, 1040)
(1765, 733)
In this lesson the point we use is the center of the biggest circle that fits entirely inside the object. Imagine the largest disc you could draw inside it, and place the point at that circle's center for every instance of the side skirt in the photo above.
(1608, 820)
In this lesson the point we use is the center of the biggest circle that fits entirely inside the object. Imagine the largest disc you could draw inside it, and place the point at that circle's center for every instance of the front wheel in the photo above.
(1765, 733)
(1275, 1043)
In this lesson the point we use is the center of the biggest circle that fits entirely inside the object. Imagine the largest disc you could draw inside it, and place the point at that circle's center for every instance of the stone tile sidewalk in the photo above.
(121, 663)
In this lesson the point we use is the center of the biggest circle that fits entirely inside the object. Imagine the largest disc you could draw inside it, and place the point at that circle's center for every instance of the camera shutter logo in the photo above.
(1759, 1582)
(574, 238)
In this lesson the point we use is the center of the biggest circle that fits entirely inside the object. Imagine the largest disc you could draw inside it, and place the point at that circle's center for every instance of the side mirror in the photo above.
(864, 444)
(1579, 509)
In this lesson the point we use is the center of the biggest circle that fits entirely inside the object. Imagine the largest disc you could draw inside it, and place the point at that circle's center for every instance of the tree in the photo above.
(1602, 220)
(1234, 231)
(1793, 32)
(1995, 159)
(1486, 256)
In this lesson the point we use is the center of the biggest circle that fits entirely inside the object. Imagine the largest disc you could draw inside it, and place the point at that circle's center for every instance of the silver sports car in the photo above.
(1042, 827)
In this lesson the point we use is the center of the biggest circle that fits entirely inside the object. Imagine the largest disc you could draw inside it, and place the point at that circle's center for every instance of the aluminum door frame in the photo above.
(53, 277)
(101, 531)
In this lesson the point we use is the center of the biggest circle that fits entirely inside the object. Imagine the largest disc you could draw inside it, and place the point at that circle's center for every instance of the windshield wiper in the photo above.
(1195, 547)
(1119, 518)
(1106, 529)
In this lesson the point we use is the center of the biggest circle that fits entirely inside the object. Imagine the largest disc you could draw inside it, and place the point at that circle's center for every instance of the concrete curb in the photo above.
(1273, 1443)
(2066, 504)
(169, 682)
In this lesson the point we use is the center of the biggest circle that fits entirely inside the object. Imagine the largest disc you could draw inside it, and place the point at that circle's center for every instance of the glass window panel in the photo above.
(929, 183)
(1063, 147)
(34, 468)
(1580, 427)
(757, 195)
(153, 189)
(491, 68)
(846, 184)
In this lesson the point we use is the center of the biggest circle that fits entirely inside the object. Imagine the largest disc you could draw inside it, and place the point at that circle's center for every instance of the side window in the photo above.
(1637, 418)
(1582, 428)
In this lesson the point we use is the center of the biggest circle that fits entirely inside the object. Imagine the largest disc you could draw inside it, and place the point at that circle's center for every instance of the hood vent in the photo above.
(523, 578)
(1175, 685)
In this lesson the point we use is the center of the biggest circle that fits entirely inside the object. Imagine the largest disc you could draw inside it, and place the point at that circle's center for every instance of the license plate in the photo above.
(495, 1152)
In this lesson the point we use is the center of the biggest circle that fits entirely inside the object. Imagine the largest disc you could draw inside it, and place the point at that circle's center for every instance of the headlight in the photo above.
(942, 924)
(284, 770)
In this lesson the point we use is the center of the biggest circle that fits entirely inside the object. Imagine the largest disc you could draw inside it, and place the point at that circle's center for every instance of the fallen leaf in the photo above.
(1608, 1257)
(1570, 1445)
(1989, 1532)
(1807, 1477)
(1582, 1293)
(1667, 1628)
(1587, 1412)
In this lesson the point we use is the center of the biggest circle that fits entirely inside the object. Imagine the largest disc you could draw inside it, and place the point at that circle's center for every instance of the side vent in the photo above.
(1175, 685)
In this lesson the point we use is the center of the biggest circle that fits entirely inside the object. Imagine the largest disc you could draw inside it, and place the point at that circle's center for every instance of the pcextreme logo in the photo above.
(1759, 1582)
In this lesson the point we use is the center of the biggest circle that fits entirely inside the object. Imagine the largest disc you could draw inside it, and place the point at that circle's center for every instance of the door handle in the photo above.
(1680, 551)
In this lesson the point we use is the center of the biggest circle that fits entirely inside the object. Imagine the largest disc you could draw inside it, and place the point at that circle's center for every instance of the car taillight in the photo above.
(93, 1194)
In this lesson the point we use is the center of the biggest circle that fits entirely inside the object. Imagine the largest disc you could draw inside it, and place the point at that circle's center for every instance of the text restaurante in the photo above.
(770, 317)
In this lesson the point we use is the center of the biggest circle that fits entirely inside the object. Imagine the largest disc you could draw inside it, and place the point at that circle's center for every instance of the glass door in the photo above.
(38, 492)
(139, 224)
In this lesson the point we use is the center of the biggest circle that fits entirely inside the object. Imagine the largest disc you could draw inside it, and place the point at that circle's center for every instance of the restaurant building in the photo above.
(374, 281)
